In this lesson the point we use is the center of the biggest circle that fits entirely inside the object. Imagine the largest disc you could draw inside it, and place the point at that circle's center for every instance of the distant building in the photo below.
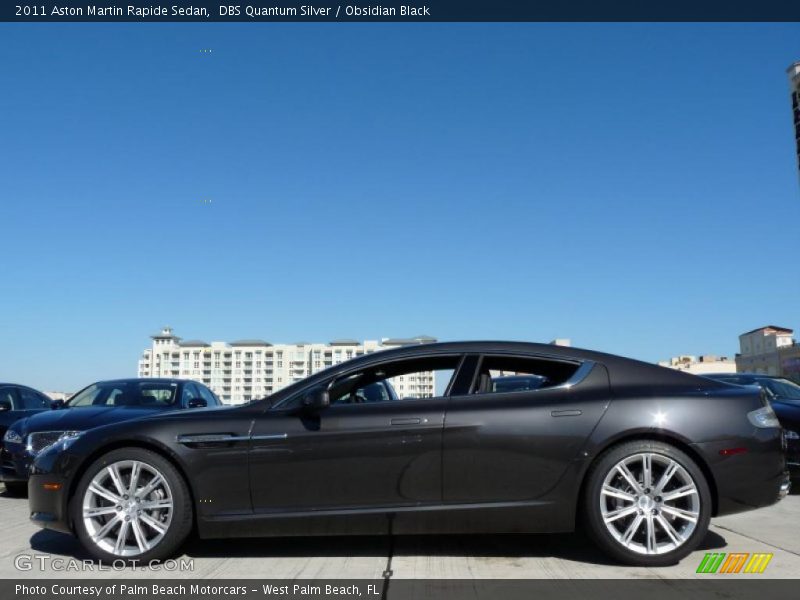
(794, 83)
(244, 370)
(762, 350)
(561, 342)
(700, 365)
(59, 395)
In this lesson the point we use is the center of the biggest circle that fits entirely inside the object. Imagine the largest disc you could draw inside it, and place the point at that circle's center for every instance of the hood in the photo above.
(85, 417)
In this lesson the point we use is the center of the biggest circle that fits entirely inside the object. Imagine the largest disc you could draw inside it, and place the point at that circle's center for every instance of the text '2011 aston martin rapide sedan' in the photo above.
(432, 438)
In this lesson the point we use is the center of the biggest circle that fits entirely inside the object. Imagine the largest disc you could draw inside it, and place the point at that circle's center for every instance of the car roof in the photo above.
(146, 380)
(623, 370)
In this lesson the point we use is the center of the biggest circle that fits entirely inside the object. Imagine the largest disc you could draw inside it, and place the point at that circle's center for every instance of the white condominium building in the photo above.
(248, 369)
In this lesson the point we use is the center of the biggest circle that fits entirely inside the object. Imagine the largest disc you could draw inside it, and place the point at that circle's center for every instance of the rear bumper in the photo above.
(754, 477)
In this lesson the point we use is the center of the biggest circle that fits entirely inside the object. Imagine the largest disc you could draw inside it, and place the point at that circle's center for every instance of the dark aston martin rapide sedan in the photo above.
(640, 455)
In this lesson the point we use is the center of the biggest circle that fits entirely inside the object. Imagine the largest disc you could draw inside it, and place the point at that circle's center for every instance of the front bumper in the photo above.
(49, 489)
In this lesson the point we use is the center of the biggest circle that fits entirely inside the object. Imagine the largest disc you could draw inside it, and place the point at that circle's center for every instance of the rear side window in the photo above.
(503, 374)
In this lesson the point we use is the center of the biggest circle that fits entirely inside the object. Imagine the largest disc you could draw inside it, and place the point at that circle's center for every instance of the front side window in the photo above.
(413, 379)
(503, 374)
(409, 379)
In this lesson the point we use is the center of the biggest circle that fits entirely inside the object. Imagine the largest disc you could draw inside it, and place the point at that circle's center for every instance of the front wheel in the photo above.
(647, 503)
(132, 505)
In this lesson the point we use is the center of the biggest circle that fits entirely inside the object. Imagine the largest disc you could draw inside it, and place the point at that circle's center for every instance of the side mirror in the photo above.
(317, 399)
(56, 404)
(197, 403)
(5, 405)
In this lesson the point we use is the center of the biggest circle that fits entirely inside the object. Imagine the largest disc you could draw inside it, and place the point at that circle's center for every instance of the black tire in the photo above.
(17, 489)
(180, 525)
(593, 496)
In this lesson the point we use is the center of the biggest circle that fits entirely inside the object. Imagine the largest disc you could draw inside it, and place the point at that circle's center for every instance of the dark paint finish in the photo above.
(509, 461)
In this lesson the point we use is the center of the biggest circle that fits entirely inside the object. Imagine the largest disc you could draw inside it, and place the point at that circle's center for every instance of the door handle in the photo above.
(565, 413)
(408, 421)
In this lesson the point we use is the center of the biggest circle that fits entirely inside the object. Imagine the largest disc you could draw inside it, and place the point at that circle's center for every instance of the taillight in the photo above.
(763, 417)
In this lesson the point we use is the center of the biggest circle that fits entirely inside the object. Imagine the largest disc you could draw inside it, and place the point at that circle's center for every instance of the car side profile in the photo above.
(97, 404)
(641, 456)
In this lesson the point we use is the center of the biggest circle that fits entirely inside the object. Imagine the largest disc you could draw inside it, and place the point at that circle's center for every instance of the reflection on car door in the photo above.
(358, 455)
(514, 446)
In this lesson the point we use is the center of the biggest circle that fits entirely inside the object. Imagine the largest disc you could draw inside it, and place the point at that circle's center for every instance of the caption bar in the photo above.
(435, 10)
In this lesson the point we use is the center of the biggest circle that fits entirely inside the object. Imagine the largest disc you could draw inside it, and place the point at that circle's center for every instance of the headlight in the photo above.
(12, 437)
(40, 441)
(792, 435)
(763, 417)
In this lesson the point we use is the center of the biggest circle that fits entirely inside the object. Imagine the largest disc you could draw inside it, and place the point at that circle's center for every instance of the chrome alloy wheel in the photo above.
(649, 503)
(127, 508)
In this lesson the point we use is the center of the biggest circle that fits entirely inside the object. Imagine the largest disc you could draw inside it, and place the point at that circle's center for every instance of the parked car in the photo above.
(98, 404)
(18, 402)
(644, 456)
(784, 396)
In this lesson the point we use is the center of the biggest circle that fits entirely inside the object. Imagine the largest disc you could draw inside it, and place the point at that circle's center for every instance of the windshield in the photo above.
(783, 388)
(126, 393)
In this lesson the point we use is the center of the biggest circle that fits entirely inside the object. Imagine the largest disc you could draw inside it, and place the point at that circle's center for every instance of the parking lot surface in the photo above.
(773, 530)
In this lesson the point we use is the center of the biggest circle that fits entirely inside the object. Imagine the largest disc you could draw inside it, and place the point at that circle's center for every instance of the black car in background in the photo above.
(784, 396)
(20, 401)
(644, 456)
(101, 403)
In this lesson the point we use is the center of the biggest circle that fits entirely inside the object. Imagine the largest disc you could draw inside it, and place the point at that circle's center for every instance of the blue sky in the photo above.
(632, 187)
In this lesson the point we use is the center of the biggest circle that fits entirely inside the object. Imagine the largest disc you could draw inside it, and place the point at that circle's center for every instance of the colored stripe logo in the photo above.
(735, 562)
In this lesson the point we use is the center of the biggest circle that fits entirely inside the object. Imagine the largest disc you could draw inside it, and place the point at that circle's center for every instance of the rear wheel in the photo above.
(132, 504)
(647, 503)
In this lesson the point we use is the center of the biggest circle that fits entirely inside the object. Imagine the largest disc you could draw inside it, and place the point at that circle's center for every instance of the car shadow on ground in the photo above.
(570, 546)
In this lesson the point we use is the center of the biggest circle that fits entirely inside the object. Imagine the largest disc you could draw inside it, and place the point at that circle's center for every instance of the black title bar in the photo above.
(267, 11)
